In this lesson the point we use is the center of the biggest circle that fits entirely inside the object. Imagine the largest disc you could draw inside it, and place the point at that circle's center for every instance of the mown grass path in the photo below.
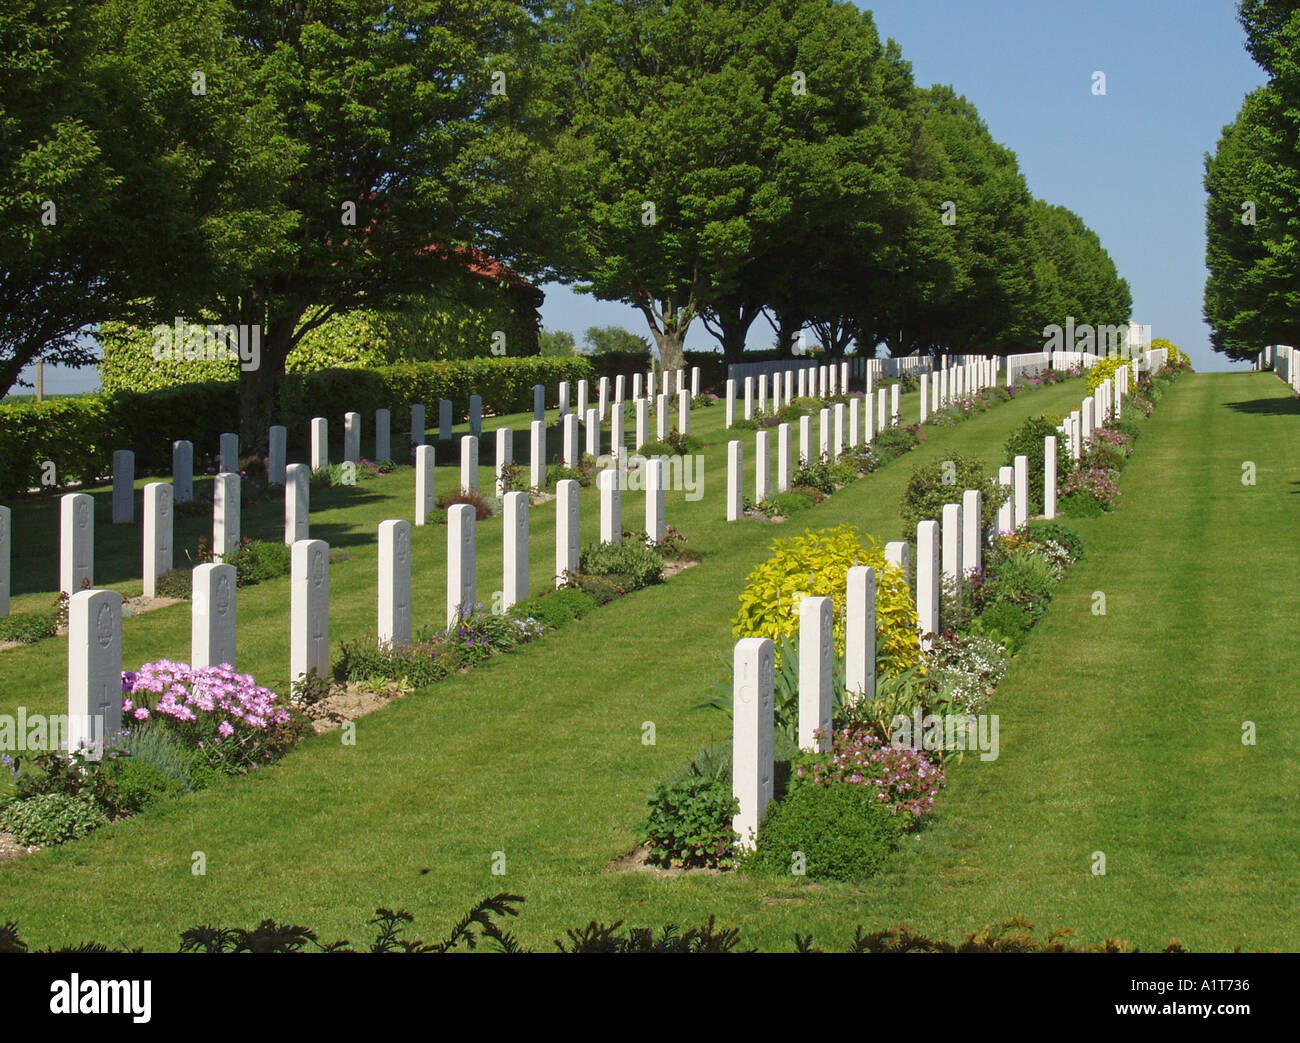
(538, 755)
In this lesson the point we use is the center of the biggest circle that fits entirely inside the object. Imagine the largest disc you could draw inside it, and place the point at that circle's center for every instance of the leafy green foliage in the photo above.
(841, 833)
(944, 481)
(134, 785)
(690, 823)
(50, 818)
(638, 563)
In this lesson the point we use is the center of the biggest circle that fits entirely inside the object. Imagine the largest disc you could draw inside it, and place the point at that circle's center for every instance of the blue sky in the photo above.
(1129, 163)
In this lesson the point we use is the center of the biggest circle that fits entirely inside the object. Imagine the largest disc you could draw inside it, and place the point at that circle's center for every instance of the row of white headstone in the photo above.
(1104, 404)
(753, 691)
(1284, 361)
(213, 608)
(943, 387)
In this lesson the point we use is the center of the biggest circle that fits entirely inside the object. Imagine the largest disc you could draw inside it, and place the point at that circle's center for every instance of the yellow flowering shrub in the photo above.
(1176, 357)
(817, 564)
(1105, 368)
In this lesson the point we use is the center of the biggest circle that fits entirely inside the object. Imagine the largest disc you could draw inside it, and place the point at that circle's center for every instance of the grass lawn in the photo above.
(1119, 733)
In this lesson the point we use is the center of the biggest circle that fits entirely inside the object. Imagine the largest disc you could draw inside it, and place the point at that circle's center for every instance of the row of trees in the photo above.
(1252, 217)
(279, 163)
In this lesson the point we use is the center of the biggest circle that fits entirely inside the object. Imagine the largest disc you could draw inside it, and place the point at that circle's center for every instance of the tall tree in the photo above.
(366, 148)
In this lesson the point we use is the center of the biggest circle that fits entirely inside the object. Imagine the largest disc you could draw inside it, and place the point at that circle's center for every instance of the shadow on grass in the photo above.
(1266, 406)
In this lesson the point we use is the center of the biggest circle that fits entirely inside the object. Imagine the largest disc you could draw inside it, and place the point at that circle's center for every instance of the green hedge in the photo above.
(80, 434)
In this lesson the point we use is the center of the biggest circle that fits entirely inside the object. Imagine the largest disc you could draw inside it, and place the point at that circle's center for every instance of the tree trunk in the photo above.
(259, 389)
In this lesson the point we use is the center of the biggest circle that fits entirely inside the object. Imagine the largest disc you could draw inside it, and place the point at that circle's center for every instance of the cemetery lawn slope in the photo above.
(537, 755)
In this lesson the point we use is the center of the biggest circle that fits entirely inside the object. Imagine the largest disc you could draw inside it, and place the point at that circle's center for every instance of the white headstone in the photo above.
(212, 615)
(383, 434)
(225, 516)
(616, 432)
(183, 470)
(925, 397)
(514, 568)
(320, 446)
(784, 459)
(462, 562)
(823, 434)
(602, 397)
(309, 610)
(661, 417)
(505, 454)
(229, 456)
(730, 402)
(899, 554)
(351, 437)
(476, 415)
(860, 633)
(805, 441)
(1088, 414)
(425, 497)
(642, 407)
(762, 466)
(762, 391)
(468, 463)
(123, 487)
(94, 669)
(837, 430)
(695, 381)
(684, 412)
(76, 542)
(570, 448)
(952, 536)
(566, 528)
(583, 395)
(753, 734)
(395, 582)
(803, 383)
(749, 398)
(564, 399)
(417, 424)
(927, 580)
(855, 422)
(1006, 513)
(654, 498)
(445, 420)
(638, 386)
(276, 456)
(735, 480)
(539, 402)
(611, 506)
(816, 658)
(1021, 479)
(593, 432)
(972, 530)
(158, 518)
(297, 499)
(537, 454)
(1049, 476)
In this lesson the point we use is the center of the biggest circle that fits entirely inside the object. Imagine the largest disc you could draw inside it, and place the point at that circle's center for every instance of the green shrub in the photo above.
(894, 441)
(134, 785)
(26, 627)
(177, 583)
(944, 481)
(635, 561)
(546, 610)
(690, 823)
(366, 660)
(258, 560)
(841, 832)
(601, 589)
(676, 444)
(1005, 622)
(1023, 578)
(578, 603)
(788, 503)
(50, 818)
(1079, 505)
(1067, 538)
(159, 748)
(1027, 441)
(482, 507)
